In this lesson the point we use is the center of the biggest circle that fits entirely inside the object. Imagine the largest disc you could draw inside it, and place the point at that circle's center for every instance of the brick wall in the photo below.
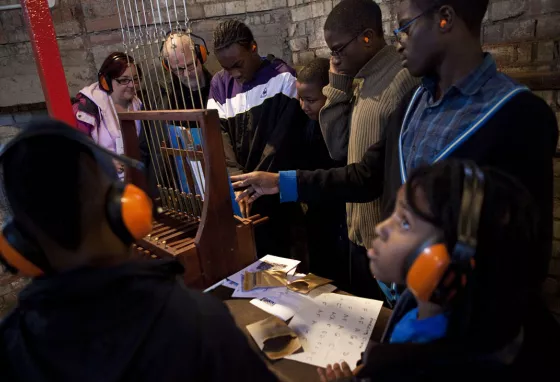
(88, 30)
(524, 35)
(9, 285)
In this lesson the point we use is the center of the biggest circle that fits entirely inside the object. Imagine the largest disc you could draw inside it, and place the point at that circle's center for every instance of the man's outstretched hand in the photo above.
(256, 184)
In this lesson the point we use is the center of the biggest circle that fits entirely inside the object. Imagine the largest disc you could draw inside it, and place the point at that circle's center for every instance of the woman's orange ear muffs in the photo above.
(105, 83)
(129, 212)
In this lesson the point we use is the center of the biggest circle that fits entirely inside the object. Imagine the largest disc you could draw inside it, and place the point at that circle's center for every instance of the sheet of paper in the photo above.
(229, 284)
(286, 303)
(267, 262)
(211, 288)
(257, 292)
(196, 167)
(334, 328)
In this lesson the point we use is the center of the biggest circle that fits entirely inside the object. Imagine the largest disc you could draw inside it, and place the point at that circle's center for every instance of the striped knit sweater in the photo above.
(354, 117)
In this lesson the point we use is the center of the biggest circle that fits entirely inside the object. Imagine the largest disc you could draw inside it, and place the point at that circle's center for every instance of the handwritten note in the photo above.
(334, 328)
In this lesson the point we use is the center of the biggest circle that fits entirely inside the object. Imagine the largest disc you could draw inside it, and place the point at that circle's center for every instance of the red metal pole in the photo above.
(47, 57)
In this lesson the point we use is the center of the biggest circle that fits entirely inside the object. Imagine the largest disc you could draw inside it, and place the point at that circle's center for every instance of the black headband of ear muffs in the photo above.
(59, 129)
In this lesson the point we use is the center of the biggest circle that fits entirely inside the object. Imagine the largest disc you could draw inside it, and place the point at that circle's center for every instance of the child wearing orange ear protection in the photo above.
(92, 312)
(460, 239)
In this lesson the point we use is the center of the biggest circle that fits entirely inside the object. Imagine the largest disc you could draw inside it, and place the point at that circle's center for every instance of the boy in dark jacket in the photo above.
(459, 238)
(260, 118)
(327, 235)
(92, 313)
(464, 108)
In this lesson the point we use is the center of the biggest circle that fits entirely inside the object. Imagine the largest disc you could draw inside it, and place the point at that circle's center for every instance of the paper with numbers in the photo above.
(335, 328)
(285, 303)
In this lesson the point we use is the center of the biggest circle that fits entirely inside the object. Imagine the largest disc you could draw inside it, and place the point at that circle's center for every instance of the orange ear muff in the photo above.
(202, 54)
(104, 84)
(136, 209)
(16, 259)
(164, 64)
(427, 270)
(443, 23)
(129, 212)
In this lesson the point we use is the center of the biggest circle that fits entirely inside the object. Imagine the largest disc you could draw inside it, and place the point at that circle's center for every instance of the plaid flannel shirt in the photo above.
(433, 124)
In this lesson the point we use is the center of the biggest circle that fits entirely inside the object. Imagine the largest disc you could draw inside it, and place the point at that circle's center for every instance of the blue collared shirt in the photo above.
(432, 125)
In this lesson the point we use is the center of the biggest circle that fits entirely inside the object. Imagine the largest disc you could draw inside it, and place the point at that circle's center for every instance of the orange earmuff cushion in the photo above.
(103, 83)
(136, 211)
(427, 270)
(16, 260)
(203, 53)
(164, 64)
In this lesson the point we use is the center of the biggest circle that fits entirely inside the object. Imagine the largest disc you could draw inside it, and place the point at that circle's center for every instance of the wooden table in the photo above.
(245, 313)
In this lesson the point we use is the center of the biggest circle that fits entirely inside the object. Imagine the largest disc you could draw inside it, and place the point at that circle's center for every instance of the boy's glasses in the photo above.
(127, 80)
(338, 52)
(401, 33)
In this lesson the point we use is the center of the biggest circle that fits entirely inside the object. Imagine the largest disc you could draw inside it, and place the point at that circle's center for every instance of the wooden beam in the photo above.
(167, 115)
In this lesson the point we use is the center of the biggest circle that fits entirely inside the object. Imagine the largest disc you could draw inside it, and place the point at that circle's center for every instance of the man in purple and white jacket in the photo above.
(261, 121)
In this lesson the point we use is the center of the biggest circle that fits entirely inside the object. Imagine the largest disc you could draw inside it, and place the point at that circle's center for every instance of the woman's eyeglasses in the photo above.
(127, 80)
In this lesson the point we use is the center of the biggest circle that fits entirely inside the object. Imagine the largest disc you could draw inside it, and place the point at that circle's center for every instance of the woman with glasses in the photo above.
(96, 106)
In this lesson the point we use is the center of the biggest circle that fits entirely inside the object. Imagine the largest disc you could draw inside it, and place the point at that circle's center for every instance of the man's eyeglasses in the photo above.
(127, 80)
(181, 70)
(401, 33)
(338, 52)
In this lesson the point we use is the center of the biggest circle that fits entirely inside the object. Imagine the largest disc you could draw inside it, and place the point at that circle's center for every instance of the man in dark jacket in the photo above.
(464, 108)
(92, 313)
